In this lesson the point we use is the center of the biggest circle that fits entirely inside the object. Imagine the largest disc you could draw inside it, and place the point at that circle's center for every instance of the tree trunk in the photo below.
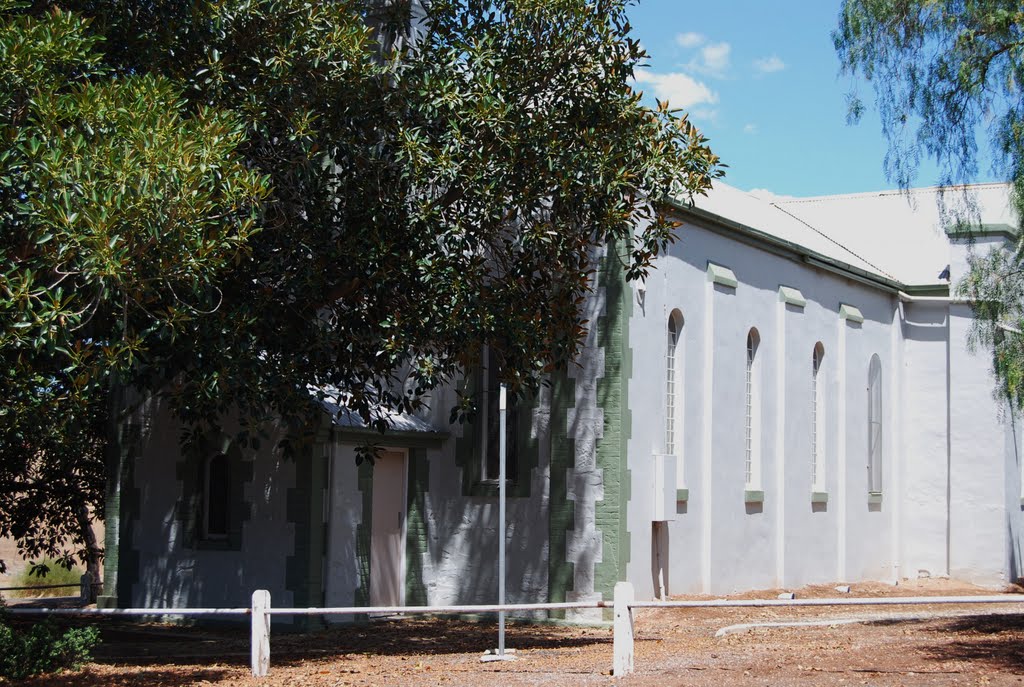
(93, 552)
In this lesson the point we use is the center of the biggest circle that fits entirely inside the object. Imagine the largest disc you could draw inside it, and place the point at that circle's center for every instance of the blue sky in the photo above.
(761, 80)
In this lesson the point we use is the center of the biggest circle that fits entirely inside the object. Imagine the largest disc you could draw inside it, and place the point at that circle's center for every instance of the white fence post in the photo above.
(260, 633)
(623, 638)
(86, 588)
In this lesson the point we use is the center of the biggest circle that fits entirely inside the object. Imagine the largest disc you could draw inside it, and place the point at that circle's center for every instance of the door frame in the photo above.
(402, 563)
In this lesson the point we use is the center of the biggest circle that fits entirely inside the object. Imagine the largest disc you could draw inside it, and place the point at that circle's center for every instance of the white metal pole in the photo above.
(501, 517)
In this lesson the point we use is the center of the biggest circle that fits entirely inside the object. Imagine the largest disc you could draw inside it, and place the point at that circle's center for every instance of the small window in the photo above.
(216, 497)
(753, 412)
(875, 452)
(818, 398)
(490, 446)
(673, 384)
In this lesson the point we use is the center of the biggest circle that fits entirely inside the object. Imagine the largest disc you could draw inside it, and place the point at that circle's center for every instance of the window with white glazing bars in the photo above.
(671, 384)
(875, 425)
(818, 398)
(752, 412)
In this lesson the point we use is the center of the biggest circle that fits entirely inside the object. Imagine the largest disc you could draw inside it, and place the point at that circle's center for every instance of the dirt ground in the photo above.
(981, 645)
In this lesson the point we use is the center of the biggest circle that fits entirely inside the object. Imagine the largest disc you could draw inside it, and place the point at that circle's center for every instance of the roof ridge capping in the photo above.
(917, 190)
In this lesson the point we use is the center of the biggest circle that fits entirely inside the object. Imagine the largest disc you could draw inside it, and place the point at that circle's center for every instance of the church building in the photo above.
(788, 399)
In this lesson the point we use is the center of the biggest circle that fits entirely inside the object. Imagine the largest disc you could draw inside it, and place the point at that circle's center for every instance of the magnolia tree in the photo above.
(231, 203)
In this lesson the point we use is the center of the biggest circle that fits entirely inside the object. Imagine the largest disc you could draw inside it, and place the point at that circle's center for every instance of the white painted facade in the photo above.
(759, 479)
(806, 274)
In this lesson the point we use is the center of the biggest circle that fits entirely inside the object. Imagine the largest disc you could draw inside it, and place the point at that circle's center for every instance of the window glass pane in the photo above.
(218, 491)
(875, 438)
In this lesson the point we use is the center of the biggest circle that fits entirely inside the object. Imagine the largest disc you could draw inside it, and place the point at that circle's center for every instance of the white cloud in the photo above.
(711, 59)
(750, 128)
(715, 57)
(690, 39)
(768, 65)
(681, 90)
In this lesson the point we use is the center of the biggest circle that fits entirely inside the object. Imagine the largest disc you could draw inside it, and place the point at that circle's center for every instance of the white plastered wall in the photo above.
(172, 571)
(458, 562)
(717, 542)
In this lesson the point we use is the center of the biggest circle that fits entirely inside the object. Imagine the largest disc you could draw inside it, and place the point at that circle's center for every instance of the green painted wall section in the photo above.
(304, 569)
(416, 527)
(562, 510)
(612, 390)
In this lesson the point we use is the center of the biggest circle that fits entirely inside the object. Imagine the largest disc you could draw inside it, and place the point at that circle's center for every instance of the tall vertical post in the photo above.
(622, 647)
(260, 633)
(502, 409)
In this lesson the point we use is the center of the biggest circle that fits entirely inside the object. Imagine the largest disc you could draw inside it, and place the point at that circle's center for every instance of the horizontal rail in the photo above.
(47, 586)
(857, 601)
(128, 611)
(40, 586)
(341, 610)
(467, 608)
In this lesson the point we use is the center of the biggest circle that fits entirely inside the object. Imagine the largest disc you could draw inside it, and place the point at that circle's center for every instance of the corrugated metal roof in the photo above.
(397, 422)
(894, 235)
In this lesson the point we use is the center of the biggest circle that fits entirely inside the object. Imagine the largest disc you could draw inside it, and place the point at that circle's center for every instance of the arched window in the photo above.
(875, 425)
(818, 396)
(216, 497)
(673, 384)
(753, 412)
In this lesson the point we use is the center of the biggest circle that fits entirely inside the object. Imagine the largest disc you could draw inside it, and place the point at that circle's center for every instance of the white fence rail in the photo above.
(623, 658)
(85, 586)
(261, 611)
(623, 606)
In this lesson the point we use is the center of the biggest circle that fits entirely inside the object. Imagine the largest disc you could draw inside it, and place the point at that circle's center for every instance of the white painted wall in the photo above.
(459, 561)
(171, 572)
(718, 543)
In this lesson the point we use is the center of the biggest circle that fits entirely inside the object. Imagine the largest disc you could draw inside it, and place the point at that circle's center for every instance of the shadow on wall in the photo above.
(176, 566)
(462, 544)
(1014, 523)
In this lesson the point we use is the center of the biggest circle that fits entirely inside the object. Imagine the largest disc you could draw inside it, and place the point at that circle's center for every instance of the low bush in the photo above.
(43, 648)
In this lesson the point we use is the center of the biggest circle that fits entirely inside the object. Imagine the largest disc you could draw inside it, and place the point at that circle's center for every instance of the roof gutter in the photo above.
(907, 298)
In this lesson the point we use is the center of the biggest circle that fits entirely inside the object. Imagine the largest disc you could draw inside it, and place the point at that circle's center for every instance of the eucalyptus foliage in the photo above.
(234, 202)
(942, 70)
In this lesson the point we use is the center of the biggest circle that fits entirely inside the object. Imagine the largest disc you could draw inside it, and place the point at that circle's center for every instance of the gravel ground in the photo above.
(980, 645)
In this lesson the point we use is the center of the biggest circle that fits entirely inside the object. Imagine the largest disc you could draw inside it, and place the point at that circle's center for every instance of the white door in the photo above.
(387, 539)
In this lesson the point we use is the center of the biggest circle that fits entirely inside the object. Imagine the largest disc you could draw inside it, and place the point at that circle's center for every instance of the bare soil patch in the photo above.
(981, 646)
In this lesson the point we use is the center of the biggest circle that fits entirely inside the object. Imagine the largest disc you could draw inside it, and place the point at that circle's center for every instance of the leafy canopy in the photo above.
(942, 70)
(232, 202)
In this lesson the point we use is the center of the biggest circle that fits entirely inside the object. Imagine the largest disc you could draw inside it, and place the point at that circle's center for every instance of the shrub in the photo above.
(43, 648)
(44, 573)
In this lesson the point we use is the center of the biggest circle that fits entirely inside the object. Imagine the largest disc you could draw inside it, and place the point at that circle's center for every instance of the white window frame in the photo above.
(876, 428)
(672, 384)
(818, 418)
(752, 421)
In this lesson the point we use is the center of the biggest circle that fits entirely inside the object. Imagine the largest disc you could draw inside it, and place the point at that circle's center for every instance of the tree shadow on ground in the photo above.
(141, 678)
(993, 641)
(139, 644)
